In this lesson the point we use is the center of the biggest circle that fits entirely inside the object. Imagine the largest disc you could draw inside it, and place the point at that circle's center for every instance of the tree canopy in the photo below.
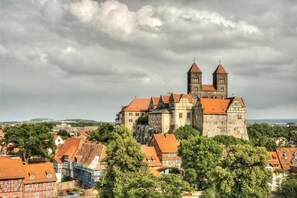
(242, 173)
(128, 175)
(185, 132)
(199, 155)
(32, 140)
(63, 134)
(288, 187)
(229, 140)
(102, 133)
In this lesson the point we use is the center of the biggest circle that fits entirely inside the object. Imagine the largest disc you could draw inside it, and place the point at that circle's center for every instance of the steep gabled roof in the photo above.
(156, 100)
(215, 106)
(42, 172)
(178, 97)
(194, 69)
(166, 142)
(150, 156)
(90, 155)
(287, 157)
(69, 148)
(220, 70)
(274, 161)
(11, 167)
(138, 104)
(165, 99)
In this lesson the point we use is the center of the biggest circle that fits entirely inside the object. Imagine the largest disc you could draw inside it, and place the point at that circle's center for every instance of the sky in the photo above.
(86, 58)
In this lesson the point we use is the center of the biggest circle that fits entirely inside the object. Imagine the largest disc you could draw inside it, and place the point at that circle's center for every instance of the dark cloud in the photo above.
(63, 59)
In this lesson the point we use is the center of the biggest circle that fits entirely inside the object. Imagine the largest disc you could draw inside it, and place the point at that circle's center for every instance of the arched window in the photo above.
(195, 79)
(222, 80)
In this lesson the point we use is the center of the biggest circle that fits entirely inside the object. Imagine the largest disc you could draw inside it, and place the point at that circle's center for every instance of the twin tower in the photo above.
(218, 89)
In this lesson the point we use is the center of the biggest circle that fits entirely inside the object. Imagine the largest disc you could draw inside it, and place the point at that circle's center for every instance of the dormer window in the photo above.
(31, 175)
(48, 174)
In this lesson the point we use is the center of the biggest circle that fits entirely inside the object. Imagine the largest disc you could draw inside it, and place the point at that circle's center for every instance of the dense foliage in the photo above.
(229, 140)
(185, 132)
(199, 155)
(102, 133)
(63, 134)
(242, 173)
(128, 175)
(32, 140)
(288, 187)
(142, 120)
(265, 135)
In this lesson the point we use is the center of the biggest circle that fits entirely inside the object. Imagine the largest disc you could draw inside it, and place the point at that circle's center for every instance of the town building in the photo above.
(40, 180)
(166, 149)
(151, 156)
(11, 177)
(207, 107)
(277, 172)
(64, 158)
(88, 164)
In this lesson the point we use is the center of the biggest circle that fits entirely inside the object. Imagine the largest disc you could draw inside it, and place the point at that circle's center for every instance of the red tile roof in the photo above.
(215, 106)
(274, 161)
(287, 157)
(166, 142)
(156, 100)
(178, 97)
(138, 104)
(208, 88)
(154, 172)
(11, 167)
(165, 99)
(194, 69)
(41, 172)
(220, 70)
(69, 148)
(90, 155)
(151, 156)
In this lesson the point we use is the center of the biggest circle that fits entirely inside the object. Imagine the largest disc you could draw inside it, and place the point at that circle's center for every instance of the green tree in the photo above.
(142, 120)
(242, 173)
(229, 140)
(165, 186)
(63, 134)
(288, 187)
(32, 140)
(199, 155)
(124, 161)
(103, 133)
(185, 132)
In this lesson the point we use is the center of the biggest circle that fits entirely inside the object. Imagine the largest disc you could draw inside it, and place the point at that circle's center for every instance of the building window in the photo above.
(180, 115)
(137, 114)
(15, 185)
(47, 193)
(30, 186)
(49, 175)
(5, 186)
(36, 194)
(130, 120)
(222, 80)
(239, 117)
(50, 184)
(188, 115)
(130, 114)
(222, 88)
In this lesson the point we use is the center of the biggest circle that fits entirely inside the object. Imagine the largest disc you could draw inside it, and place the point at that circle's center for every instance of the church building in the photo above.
(206, 107)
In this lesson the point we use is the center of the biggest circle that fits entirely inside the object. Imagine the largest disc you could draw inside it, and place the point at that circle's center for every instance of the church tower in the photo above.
(194, 81)
(220, 81)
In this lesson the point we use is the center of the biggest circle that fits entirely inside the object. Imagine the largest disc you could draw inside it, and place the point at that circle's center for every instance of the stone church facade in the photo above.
(206, 107)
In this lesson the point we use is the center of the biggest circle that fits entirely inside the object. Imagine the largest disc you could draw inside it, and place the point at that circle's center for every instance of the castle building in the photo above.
(207, 107)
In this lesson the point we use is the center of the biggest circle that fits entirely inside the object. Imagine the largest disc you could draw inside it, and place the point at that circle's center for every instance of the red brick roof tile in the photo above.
(138, 104)
(274, 161)
(208, 88)
(215, 106)
(166, 142)
(194, 69)
(151, 156)
(11, 167)
(43, 172)
(220, 70)
(287, 157)
(69, 148)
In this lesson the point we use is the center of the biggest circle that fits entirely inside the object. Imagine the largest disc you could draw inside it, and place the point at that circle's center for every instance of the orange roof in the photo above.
(215, 106)
(90, 155)
(194, 69)
(274, 161)
(165, 99)
(156, 100)
(208, 88)
(220, 70)
(177, 97)
(138, 104)
(42, 172)
(287, 157)
(151, 156)
(69, 148)
(166, 142)
(11, 167)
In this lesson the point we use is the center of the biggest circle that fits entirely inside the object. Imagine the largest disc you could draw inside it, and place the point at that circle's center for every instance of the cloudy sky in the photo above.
(86, 58)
